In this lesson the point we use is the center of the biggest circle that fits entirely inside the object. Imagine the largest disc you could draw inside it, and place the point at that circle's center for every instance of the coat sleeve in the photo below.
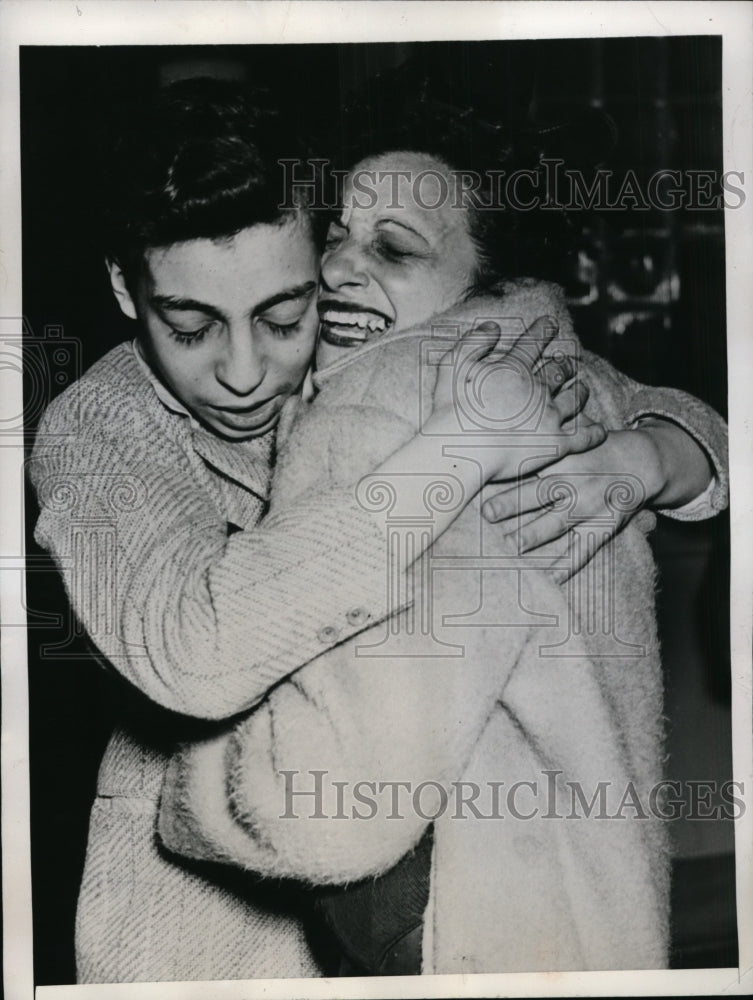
(615, 397)
(624, 401)
(202, 623)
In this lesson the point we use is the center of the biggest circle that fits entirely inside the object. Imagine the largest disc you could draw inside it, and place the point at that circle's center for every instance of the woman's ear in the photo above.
(120, 289)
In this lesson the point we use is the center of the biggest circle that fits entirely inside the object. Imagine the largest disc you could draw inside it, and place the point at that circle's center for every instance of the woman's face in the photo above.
(230, 325)
(400, 252)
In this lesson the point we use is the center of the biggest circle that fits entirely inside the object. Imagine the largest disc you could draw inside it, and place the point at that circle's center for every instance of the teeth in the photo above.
(363, 321)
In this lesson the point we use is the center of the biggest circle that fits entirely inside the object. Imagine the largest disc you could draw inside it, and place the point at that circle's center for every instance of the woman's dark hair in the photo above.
(204, 160)
(405, 114)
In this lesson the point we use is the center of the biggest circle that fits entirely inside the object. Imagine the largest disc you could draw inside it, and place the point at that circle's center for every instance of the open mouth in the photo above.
(348, 325)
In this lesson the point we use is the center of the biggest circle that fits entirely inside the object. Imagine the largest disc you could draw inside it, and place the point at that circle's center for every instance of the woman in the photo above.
(174, 454)
(388, 263)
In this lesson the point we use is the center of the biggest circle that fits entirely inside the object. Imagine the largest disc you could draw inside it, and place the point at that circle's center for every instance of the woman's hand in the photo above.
(582, 500)
(496, 411)
(511, 406)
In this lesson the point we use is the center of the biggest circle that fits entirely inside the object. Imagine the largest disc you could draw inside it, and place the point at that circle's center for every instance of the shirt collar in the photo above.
(163, 393)
(248, 463)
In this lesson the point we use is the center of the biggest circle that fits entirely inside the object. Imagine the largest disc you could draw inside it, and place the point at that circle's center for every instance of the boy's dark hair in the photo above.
(204, 160)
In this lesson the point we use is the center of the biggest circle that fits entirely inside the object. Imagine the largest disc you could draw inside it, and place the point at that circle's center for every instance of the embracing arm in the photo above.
(339, 771)
(201, 623)
(675, 443)
(667, 441)
(688, 439)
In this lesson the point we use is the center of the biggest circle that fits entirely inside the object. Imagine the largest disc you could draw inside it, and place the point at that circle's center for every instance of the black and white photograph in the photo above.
(377, 599)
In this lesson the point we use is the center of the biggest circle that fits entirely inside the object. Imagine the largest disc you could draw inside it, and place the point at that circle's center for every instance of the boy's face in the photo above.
(229, 325)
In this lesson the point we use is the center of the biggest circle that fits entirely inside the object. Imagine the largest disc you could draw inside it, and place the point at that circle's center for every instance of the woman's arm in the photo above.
(679, 443)
(682, 469)
(669, 444)
(688, 436)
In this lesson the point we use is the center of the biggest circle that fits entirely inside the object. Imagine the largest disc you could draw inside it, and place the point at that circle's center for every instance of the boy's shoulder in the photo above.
(113, 397)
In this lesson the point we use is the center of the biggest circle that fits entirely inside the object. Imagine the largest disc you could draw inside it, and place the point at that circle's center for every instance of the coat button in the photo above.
(327, 635)
(357, 616)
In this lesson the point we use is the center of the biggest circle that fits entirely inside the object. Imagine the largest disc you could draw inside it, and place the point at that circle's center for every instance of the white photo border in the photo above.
(165, 22)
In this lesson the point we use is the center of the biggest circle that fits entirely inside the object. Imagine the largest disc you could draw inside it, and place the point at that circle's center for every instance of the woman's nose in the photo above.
(241, 366)
(344, 265)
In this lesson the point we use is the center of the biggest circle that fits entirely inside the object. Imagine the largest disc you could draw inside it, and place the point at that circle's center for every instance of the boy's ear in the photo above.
(120, 289)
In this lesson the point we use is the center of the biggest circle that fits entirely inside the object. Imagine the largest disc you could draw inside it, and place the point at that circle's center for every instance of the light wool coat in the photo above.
(508, 679)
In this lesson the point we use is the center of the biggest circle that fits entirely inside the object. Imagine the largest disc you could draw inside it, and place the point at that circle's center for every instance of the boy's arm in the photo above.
(335, 776)
(202, 623)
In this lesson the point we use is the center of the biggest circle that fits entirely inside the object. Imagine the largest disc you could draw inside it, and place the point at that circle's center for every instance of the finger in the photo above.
(490, 327)
(520, 499)
(586, 435)
(524, 350)
(549, 526)
(516, 362)
(475, 344)
(587, 539)
(529, 347)
(479, 339)
(571, 399)
(556, 371)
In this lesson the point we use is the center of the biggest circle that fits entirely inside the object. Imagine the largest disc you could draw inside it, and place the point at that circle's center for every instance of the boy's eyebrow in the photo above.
(296, 292)
(174, 302)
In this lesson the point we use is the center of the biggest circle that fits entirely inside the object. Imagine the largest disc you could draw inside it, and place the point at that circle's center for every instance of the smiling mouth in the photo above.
(346, 325)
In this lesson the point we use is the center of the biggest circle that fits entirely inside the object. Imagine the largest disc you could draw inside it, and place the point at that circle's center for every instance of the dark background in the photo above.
(647, 289)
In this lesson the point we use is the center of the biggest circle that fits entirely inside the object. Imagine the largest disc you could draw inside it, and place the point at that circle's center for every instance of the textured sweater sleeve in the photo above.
(201, 623)
(339, 771)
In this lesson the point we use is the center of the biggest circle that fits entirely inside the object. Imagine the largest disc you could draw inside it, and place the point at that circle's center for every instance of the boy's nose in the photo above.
(241, 366)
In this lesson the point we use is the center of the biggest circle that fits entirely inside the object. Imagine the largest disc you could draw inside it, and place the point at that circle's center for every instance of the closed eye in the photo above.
(335, 235)
(190, 337)
(282, 329)
(391, 250)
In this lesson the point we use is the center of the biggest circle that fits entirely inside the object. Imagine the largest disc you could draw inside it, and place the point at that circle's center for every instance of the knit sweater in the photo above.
(502, 700)
(136, 502)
